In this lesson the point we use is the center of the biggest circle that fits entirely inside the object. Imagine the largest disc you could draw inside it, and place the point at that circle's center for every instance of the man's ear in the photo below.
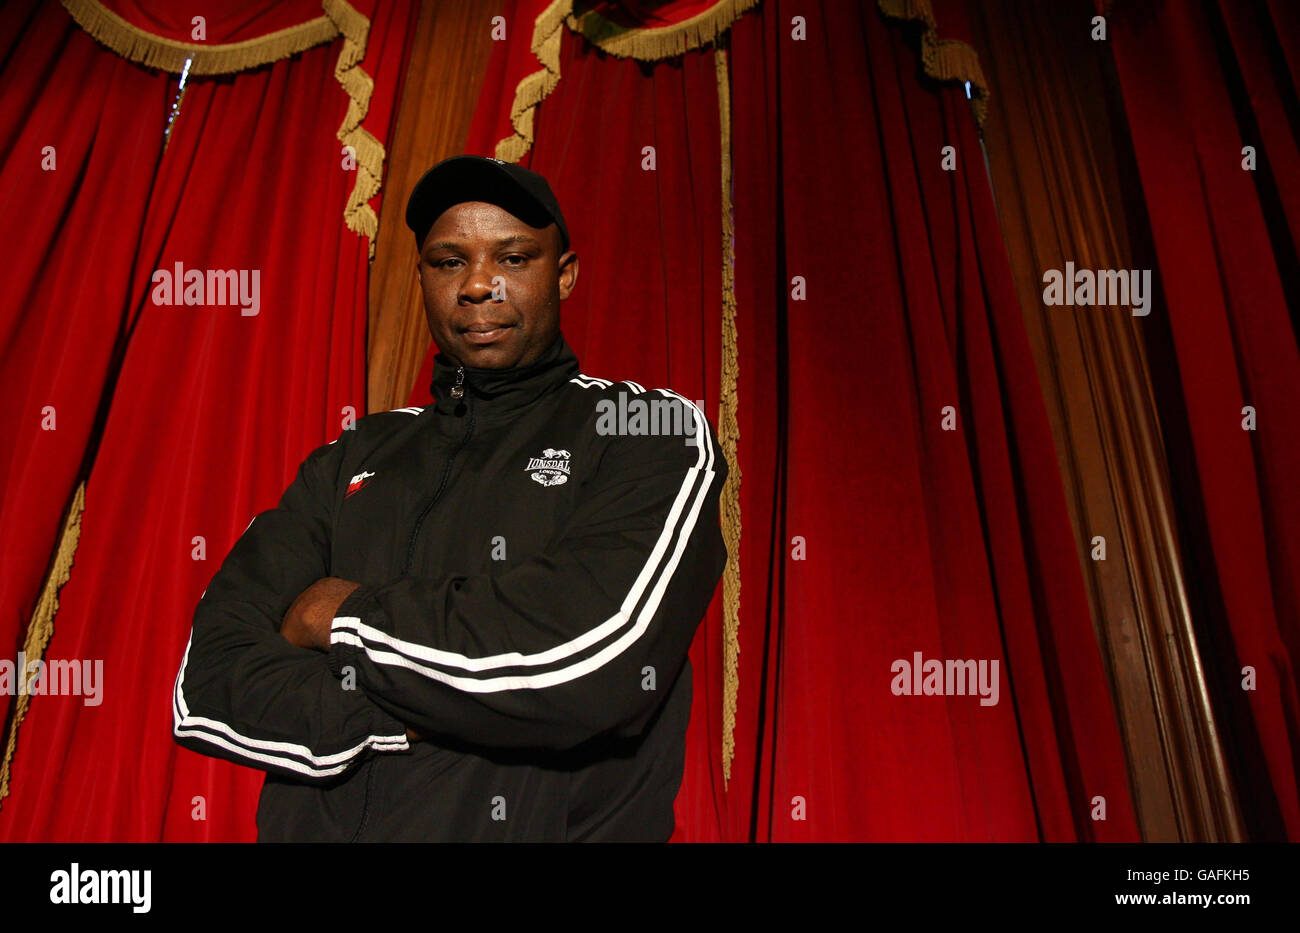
(568, 273)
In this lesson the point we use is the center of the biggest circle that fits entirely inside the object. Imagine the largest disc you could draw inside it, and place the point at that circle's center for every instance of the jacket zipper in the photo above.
(457, 391)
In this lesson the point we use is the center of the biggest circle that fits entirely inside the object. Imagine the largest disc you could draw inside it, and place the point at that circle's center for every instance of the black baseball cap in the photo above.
(511, 187)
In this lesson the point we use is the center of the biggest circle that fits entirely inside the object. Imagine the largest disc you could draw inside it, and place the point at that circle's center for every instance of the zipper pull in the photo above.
(458, 389)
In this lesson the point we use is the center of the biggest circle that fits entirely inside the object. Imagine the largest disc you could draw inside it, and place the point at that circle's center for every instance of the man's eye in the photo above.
(442, 263)
(522, 259)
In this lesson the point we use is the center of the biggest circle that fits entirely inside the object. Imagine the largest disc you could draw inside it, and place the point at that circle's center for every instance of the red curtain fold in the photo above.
(227, 21)
(82, 136)
(955, 544)
(648, 14)
(1199, 82)
(952, 543)
(211, 413)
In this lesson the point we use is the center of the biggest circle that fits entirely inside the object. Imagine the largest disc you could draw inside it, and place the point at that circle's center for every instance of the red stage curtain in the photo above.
(955, 544)
(71, 270)
(952, 543)
(1198, 83)
(211, 414)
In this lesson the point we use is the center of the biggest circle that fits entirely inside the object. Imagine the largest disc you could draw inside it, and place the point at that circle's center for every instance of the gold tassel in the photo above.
(728, 434)
(143, 48)
(42, 625)
(943, 59)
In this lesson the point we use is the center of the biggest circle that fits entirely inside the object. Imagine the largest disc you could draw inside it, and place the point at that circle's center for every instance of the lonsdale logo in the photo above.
(551, 468)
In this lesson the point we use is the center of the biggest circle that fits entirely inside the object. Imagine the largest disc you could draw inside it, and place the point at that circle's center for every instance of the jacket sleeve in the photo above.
(583, 639)
(244, 693)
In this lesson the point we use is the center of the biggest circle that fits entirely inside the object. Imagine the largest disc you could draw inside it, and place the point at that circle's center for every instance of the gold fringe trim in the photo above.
(728, 434)
(652, 45)
(943, 59)
(647, 45)
(152, 51)
(534, 88)
(42, 625)
(359, 216)
(341, 18)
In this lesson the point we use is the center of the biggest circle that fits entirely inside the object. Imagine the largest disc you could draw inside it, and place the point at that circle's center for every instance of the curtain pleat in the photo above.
(82, 134)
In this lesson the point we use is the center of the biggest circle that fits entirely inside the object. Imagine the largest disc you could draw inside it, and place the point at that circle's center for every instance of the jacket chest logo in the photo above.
(357, 482)
(551, 468)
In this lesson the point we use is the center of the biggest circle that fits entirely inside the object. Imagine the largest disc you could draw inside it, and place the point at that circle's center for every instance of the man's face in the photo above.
(493, 285)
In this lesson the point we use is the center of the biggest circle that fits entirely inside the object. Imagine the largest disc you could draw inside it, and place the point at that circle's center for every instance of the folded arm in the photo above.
(583, 639)
(245, 693)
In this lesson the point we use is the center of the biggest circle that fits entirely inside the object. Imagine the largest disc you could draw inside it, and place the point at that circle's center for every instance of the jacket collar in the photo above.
(499, 393)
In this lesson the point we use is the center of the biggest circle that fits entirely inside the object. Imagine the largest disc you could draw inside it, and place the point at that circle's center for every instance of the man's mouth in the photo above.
(485, 332)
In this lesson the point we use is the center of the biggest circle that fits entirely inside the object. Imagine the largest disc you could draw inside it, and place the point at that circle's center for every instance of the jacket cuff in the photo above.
(344, 649)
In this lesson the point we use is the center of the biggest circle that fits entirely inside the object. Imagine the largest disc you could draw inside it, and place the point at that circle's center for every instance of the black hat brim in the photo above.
(472, 178)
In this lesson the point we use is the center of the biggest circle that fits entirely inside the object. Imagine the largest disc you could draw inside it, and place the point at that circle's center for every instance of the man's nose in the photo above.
(476, 287)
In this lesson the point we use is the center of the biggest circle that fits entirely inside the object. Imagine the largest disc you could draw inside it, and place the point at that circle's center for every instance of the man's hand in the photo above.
(307, 623)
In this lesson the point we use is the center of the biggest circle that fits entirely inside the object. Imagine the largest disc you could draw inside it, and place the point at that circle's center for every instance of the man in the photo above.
(471, 621)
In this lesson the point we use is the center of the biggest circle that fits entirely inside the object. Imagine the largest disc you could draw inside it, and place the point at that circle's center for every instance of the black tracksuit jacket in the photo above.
(530, 586)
